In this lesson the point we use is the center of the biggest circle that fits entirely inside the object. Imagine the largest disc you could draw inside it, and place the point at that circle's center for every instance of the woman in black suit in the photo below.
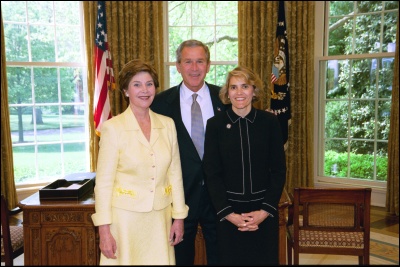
(244, 162)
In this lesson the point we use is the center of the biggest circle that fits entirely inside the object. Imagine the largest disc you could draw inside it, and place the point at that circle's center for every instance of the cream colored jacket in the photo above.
(135, 174)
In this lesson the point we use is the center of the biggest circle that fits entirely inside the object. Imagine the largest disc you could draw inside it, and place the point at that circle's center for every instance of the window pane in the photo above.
(340, 30)
(336, 119)
(362, 116)
(361, 73)
(227, 13)
(367, 36)
(339, 8)
(19, 85)
(73, 127)
(40, 11)
(389, 31)
(67, 38)
(225, 48)
(336, 158)
(369, 6)
(71, 85)
(24, 163)
(391, 5)
(175, 76)
(362, 164)
(337, 84)
(48, 123)
(382, 161)
(49, 162)
(385, 71)
(176, 36)
(21, 123)
(383, 119)
(16, 42)
(75, 157)
(206, 35)
(202, 8)
(13, 11)
(217, 74)
(46, 85)
(67, 12)
(179, 13)
(42, 43)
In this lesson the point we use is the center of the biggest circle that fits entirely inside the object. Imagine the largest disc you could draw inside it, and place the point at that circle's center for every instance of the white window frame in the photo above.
(378, 187)
(26, 189)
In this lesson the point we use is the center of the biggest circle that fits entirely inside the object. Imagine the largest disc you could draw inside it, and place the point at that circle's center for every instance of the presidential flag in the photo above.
(104, 81)
(280, 92)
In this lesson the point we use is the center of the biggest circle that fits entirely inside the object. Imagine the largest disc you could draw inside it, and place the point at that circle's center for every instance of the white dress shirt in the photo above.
(204, 100)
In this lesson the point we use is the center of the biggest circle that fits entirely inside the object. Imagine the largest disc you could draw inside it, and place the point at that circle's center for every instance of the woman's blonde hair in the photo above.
(249, 76)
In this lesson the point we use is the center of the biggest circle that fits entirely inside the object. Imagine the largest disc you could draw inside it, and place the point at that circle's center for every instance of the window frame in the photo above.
(168, 64)
(32, 185)
(321, 25)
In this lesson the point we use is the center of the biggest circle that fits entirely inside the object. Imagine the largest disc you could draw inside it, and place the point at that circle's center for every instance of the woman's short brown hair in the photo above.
(249, 76)
(132, 68)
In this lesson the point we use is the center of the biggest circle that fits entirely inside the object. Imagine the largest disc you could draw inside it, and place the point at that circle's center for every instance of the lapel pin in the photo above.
(228, 126)
(218, 109)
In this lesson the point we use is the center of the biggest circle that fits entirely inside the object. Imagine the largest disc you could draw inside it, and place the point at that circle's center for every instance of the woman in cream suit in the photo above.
(140, 203)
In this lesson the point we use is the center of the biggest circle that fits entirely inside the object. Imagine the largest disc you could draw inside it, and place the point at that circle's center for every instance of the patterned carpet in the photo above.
(384, 250)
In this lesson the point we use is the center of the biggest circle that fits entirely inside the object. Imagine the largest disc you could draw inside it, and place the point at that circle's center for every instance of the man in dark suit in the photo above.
(193, 63)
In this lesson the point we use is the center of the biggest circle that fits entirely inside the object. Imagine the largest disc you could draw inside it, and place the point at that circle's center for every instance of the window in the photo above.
(215, 24)
(354, 78)
(47, 94)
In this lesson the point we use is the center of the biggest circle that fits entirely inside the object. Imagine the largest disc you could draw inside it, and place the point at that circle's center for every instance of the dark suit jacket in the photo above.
(168, 103)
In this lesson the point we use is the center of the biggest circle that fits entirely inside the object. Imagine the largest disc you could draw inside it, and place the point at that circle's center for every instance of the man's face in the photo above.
(193, 67)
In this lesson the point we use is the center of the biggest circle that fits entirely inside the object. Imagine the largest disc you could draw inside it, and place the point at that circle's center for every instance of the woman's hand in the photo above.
(248, 221)
(254, 218)
(242, 222)
(176, 233)
(108, 246)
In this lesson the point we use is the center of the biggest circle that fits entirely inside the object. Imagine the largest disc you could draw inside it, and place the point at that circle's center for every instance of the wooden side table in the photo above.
(59, 232)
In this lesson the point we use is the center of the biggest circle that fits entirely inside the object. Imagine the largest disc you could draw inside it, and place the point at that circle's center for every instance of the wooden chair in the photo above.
(329, 221)
(12, 238)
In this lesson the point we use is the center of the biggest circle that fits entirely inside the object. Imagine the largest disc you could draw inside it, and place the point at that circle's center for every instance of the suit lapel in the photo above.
(132, 126)
(156, 125)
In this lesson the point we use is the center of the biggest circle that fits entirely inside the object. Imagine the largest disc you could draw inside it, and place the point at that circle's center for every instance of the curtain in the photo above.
(134, 30)
(392, 192)
(7, 165)
(257, 30)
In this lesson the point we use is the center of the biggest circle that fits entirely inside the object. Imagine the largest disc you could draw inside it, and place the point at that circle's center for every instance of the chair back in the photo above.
(12, 240)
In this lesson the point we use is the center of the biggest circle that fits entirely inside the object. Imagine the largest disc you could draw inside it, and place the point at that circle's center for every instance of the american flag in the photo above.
(104, 72)
(280, 95)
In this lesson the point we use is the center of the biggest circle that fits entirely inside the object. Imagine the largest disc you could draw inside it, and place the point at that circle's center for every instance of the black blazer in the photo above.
(168, 103)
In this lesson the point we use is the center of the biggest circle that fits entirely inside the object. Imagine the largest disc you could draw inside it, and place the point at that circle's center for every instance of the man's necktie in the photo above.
(197, 127)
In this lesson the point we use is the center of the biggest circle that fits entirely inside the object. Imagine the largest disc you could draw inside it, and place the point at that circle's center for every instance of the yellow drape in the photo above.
(257, 29)
(134, 30)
